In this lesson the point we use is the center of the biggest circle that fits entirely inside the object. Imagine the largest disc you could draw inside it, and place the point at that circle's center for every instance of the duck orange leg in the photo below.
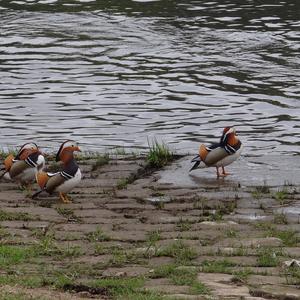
(64, 198)
(218, 173)
(68, 199)
(224, 172)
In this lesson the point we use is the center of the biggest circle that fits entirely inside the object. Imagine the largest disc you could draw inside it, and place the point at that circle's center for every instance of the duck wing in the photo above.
(203, 152)
(215, 153)
(18, 167)
(196, 160)
(54, 181)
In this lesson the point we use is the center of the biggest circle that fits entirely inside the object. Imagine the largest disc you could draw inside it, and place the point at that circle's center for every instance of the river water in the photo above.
(118, 73)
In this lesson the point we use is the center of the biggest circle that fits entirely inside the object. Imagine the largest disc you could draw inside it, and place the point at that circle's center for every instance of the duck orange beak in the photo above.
(76, 149)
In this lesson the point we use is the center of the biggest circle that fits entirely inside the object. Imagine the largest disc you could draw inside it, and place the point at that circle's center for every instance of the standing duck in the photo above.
(24, 167)
(221, 154)
(62, 182)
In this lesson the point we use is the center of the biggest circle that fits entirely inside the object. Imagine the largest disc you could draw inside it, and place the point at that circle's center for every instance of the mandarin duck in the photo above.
(64, 181)
(24, 167)
(221, 154)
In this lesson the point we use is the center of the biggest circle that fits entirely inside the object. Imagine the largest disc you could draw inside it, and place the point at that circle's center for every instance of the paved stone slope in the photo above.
(133, 234)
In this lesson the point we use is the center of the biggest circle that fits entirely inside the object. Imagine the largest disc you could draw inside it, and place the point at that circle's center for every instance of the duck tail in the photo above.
(196, 160)
(36, 194)
(2, 175)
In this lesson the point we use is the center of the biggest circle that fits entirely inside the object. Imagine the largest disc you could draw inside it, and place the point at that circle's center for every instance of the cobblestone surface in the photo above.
(166, 234)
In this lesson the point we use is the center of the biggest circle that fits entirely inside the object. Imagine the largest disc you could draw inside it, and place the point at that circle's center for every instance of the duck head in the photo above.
(66, 150)
(229, 136)
(26, 150)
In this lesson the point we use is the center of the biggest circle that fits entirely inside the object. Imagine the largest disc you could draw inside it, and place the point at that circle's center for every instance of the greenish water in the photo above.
(114, 73)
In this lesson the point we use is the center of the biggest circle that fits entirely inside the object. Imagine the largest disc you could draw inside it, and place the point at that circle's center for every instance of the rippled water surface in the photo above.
(114, 73)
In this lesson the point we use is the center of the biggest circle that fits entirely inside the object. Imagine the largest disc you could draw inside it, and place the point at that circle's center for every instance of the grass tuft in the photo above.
(182, 253)
(15, 216)
(69, 214)
(268, 257)
(47, 246)
(11, 255)
(122, 184)
(120, 286)
(292, 275)
(101, 160)
(159, 155)
(280, 219)
(152, 238)
(97, 236)
(217, 266)
(5, 153)
(289, 237)
(181, 275)
(183, 225)
(199, 288)
(281, 196)
(241, 276)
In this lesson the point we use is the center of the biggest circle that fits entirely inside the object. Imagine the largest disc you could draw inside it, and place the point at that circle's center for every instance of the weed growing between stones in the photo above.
(217, 266)
(159, 155)
(122, 184)
(182, 253)
(288, 237)
(12, 255)
(97, 236)
(47, 246)
(101, 160)
(261, 190)
(292, 275)
(183, 225)
(181, 275)
(152, 238)
(281, 196)
(268, 257)
(69, 214)
(241, 276)
(4, 233)
(198, 288)
(120, 286)
(16, 216)
(280, 219)
(231, 233)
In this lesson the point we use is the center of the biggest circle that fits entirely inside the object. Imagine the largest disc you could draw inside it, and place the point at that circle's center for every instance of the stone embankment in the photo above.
(167, 234)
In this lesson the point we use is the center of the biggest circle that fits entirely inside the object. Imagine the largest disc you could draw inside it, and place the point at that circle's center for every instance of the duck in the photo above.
(221, 154)
(64, 181)
(24, 167)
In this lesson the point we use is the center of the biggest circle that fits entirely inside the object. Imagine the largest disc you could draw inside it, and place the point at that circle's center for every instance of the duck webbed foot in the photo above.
(64, 198)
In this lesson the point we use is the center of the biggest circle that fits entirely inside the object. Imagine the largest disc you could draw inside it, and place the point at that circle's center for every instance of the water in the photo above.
(116, 73)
